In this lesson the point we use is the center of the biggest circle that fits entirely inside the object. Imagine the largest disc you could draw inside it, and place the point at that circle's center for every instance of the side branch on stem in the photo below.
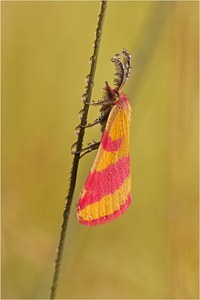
(78, 144)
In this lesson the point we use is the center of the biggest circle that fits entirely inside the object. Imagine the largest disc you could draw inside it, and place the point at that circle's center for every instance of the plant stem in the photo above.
(75, 163)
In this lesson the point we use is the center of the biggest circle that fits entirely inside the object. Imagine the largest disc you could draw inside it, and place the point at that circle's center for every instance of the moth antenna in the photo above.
(122, 64)
(126, 64)
(119, 71)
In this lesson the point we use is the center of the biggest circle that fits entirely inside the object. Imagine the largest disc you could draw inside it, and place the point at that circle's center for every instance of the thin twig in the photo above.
(78, 144)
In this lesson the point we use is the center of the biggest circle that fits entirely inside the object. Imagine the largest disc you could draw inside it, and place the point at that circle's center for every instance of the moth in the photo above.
(107, 191)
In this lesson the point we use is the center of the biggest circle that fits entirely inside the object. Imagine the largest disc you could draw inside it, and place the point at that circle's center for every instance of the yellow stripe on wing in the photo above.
(108, 204)
(117, 127)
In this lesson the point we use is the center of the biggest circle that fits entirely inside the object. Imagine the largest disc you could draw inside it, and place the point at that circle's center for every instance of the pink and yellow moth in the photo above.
(107, 190)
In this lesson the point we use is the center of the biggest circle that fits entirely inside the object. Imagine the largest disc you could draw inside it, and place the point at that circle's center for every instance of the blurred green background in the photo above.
(150, 252)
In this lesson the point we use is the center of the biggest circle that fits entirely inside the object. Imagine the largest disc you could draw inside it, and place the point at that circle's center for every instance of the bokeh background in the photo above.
(152, 251)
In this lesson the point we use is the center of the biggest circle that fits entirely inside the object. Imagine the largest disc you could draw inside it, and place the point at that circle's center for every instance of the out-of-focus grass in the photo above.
(150, 252)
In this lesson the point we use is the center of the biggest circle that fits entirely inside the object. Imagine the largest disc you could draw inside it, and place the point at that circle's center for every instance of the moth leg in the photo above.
(110, 95)
(90, 148)
(104, 115)
(98, 103)
(97, 121)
